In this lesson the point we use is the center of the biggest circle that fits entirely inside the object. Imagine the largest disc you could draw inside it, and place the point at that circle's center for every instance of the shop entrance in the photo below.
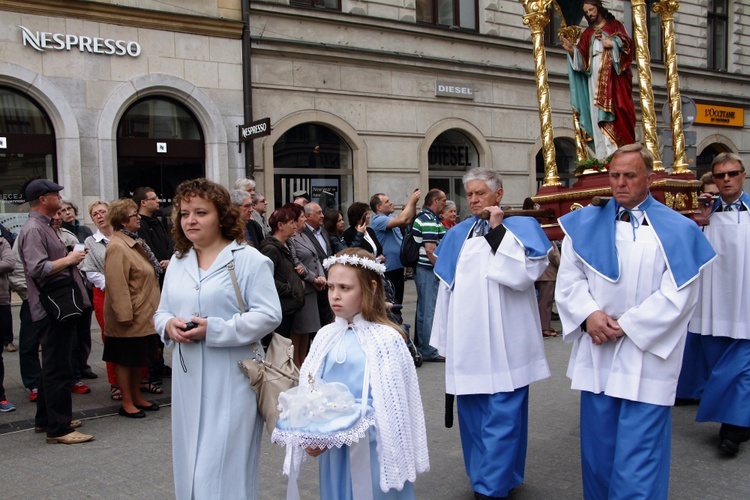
(159, 145)
(27, 151)
(449, 157)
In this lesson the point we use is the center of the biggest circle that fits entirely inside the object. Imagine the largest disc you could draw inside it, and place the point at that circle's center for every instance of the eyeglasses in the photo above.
(732, 174)
(155, 198)
(99, 213)
(246, 206)
(134, 215)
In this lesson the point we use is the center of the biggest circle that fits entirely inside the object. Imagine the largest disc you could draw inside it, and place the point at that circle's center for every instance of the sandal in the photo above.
(115, 393)
(151, 388)
(549, 333)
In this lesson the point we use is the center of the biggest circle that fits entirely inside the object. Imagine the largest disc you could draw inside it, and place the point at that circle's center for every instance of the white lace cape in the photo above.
(399, 417)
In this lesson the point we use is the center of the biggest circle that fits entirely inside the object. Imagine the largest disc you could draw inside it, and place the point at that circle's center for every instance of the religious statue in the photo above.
(601, 84)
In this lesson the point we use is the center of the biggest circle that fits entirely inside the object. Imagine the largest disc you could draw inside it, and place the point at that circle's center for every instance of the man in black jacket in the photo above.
(157, 238)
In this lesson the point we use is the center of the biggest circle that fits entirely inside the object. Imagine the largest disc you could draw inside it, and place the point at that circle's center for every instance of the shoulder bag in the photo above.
(61, 299)
(270, 375)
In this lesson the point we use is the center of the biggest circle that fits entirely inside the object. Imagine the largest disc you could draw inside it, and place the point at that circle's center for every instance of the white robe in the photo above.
(488, 327)
(644, 364)
(725, 285)
(216, 428)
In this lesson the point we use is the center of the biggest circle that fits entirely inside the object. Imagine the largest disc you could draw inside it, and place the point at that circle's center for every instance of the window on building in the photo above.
(550, 31)
(317, 4)
(718, 31)
(655, 40)
(27, 151)
(455, 14)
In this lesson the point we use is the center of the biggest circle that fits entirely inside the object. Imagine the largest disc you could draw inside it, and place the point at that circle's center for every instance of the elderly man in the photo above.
(427, 232)
(387, 227)
(321, 240)
(487, 326)
(46, 260)
(626, 287)
(260, 207)
(244, 203)
(722, 316)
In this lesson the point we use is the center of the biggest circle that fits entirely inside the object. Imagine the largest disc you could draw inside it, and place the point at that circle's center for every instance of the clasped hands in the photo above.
(176, 330)
(602, 327)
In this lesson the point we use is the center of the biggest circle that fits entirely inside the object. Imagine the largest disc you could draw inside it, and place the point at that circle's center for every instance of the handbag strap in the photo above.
(232, 274)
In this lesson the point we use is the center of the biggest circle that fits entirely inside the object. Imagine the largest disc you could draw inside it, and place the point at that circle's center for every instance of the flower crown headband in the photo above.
(354, 260)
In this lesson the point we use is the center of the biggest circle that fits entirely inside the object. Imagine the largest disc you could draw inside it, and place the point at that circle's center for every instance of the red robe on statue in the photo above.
(614, 92)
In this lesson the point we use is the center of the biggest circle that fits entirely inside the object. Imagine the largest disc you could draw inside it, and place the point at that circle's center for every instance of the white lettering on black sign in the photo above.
(255, 129)
(451, 89)
(43, 40)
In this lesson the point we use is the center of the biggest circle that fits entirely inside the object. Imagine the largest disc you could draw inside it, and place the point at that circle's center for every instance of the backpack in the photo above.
(409, 254)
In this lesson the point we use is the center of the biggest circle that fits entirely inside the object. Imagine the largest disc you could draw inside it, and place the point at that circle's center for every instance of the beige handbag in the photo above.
(269, 376)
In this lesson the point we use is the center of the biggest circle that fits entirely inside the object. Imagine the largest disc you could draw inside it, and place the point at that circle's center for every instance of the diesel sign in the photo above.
(452, 89)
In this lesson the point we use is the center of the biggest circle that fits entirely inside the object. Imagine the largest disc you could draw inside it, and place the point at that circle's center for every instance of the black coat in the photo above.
(156, 237)
(289, 284)
(353, 238)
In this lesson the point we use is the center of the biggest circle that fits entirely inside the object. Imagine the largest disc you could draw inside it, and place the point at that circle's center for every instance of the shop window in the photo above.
(565, 157)
(454, 14)
(554, 24)
(317, 4)
(27, 151)
(159, 145)
(718, 32)
(450, 156)
(313, 159)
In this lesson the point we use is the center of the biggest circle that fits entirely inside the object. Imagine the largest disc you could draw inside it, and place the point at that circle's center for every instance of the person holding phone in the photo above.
(359, 234)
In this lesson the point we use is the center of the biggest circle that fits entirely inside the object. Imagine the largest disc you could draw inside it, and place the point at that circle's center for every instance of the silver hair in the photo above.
(69, 202)
(244, 184)
(309, 207)
(238, 196)
(491, 177)
(449, 204)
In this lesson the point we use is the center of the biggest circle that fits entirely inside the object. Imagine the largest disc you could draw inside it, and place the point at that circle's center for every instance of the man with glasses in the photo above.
(45, 259)
(722, 315)
(259, 212)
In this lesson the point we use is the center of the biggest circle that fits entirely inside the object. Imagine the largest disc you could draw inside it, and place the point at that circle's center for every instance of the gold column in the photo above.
(643, 59)
(666, 10)
(536, 19)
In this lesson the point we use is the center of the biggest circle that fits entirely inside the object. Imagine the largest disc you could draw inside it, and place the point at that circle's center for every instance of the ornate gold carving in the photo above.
(536, 19)
(643, 59)
(694, 199)
(582, 152)
(677, 201)
(666, 10)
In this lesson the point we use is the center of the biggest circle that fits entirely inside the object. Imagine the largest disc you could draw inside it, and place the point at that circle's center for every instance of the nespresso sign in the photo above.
(453, 89)
(43, 41)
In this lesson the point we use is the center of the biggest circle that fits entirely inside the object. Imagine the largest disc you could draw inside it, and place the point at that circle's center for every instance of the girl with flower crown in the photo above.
(358, 407)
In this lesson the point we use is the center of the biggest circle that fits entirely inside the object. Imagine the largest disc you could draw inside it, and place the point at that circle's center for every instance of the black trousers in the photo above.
(6, 325)
(397, 278)
(79, 360)
(54, 404)
(28, 349)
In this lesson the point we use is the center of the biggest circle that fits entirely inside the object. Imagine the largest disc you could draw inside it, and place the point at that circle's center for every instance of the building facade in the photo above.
(362, 96)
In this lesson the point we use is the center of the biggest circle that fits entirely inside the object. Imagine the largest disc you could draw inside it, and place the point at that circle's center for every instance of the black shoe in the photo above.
(89, 374)
(479, 496)
(124, 413)
(166, 372)
(687, 401)
(151, 407)
(729, 447)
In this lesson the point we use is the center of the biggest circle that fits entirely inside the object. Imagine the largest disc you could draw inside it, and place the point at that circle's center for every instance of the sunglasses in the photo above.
(733, 173)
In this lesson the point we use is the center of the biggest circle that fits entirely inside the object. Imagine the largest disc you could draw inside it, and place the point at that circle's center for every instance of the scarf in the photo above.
(151, 257)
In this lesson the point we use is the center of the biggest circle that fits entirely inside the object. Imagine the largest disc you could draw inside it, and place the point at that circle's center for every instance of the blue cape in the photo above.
(684, 248)
(526, 229)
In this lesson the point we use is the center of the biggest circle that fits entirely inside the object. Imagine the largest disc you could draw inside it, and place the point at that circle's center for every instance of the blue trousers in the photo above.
(625, 448)
(726, 397)
(427, 291)
(494, 432)
(695, 371)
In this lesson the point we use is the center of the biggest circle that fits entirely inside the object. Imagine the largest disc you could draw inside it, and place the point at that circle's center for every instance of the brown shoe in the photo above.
(74, 424)
(74, 437)
(549, 333)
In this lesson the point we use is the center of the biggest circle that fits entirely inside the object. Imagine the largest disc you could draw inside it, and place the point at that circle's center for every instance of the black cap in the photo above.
(40, 187)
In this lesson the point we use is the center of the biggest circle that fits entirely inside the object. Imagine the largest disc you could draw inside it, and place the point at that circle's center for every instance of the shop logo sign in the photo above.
(43, 41)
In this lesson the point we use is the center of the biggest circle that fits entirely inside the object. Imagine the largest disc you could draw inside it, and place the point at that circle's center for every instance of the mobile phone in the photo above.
(79, 247)
(189, 326)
